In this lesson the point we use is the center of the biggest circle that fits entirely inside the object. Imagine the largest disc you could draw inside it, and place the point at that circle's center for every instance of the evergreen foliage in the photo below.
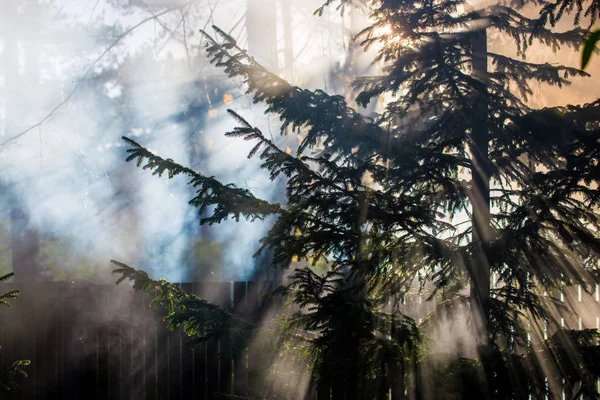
(197, 317)
(553, 11)
(384, 201)
(332, 316)
(9, 379)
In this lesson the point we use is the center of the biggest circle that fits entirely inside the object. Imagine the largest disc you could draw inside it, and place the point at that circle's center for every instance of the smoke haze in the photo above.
(76, 76)
(87, 73)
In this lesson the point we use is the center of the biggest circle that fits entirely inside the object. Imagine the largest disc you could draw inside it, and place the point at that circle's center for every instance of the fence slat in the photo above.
(240, 359)
(187, 385)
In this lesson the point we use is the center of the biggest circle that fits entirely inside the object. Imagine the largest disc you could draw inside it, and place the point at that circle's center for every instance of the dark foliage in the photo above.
(9, 380)
(384, 202)
(197, 317)
(553, 11)
(332, 315)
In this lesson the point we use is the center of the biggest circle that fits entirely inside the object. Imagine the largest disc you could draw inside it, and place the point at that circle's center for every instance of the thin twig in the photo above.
(87, 72)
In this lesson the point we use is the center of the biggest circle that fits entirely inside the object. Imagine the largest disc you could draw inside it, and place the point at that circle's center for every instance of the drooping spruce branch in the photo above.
(198, 318)
(554, 11)
(9, 380)
(316, 114)
(280, 162)
(10, 295)
(228, 199)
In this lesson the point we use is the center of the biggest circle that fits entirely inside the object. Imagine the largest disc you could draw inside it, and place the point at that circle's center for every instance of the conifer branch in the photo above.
(228, 199)
(340, 7)
(12, 294)
(525, 30)
(552, 12)
(509, 70)
(279, 162)
(8, 380)
(198, 318)
(315, 113)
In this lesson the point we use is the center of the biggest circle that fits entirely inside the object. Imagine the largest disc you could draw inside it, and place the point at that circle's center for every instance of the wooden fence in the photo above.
(90, 341)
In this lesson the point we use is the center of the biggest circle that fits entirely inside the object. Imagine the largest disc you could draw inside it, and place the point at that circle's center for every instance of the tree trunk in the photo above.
(261, 28)
(480, 196)
(24, 239)
(481, 184)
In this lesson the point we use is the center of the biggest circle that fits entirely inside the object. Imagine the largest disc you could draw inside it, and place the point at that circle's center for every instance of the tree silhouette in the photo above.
(384, 201)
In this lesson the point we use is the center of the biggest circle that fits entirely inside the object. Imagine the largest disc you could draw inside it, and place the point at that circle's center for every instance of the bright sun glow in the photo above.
(388, 36)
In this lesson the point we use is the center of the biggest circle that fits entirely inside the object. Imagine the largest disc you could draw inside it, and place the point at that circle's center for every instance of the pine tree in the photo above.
(384, 200)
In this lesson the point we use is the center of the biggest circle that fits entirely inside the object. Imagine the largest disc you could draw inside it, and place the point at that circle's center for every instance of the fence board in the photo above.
(163, 353)
(10, 347)
(212, 366)
(103, 341)
(28, 328)
(240, 360)
(188, 387)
